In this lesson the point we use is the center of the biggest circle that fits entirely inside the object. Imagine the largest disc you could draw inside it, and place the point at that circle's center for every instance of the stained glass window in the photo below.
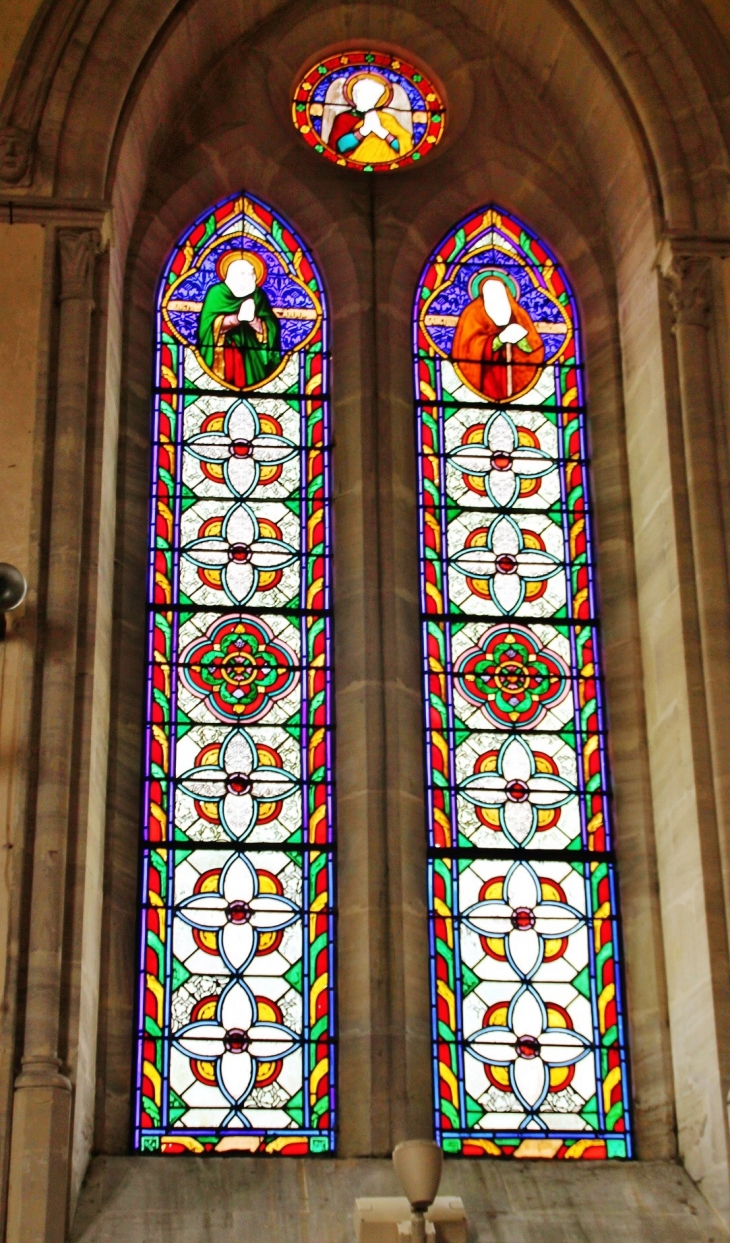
(235, 999)
(368, 110)
(527, 1013)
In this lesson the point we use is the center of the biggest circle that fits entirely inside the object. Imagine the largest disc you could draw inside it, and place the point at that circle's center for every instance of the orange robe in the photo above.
(502, 373)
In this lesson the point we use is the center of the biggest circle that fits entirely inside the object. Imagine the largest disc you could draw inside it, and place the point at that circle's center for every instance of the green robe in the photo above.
(238, 356)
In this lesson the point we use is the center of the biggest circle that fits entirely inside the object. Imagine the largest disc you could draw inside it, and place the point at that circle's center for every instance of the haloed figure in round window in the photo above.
(369, 132)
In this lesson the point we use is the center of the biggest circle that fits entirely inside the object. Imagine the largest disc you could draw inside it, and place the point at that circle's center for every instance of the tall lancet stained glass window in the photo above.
(236, 1019)
(527, 1019)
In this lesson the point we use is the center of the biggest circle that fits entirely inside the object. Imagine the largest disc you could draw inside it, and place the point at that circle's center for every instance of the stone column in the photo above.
(689, 282)
(42, 1106)
(699, 1046)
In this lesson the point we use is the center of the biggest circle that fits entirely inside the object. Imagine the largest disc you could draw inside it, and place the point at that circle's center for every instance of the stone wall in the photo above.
(312, 1201)
(605, 126)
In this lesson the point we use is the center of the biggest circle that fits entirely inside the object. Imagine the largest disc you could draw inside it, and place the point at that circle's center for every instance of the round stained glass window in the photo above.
(368, 110)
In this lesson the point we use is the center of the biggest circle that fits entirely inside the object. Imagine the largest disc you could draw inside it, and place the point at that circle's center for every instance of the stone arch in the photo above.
(83, 67)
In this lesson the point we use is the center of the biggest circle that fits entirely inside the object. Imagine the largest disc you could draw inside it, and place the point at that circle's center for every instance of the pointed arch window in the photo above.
(236, 1007)
(527, 1010)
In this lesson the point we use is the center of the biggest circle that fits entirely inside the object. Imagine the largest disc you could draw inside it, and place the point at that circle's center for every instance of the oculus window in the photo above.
(371, 111)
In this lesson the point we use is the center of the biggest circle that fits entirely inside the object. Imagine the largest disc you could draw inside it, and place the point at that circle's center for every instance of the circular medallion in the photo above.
(368, 110)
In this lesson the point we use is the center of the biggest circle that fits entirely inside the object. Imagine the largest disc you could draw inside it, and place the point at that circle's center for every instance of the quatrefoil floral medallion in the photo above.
(511, 677)
(238, 668)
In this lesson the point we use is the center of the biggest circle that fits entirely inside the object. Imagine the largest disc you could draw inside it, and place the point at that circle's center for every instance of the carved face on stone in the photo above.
(15, 149)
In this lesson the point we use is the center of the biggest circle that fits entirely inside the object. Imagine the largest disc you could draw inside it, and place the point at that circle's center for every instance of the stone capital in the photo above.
(687, 273)
(78, 249)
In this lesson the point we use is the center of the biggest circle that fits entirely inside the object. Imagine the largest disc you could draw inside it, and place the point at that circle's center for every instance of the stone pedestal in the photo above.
(387, 1219)
(39, 1158)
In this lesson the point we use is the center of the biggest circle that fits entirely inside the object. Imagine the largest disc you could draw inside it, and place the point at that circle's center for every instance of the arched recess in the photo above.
(157, 114)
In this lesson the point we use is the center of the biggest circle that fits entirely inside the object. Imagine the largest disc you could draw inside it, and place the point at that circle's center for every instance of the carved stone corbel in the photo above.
(16, 156)
(29, 85)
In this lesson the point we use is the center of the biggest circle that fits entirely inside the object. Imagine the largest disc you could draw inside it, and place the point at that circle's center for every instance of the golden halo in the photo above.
(368, 73)
(476, 282)
(231, 256)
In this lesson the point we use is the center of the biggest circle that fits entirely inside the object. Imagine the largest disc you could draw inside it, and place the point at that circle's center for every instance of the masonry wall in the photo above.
(143, 118)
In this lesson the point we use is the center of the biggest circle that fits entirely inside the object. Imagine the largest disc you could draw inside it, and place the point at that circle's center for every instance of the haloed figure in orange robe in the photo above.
(497, 348)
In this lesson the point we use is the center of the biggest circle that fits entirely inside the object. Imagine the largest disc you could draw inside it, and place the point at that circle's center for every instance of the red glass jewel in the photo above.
(236, 1041)
(238, 912)
(528, 1047)
(238, 783)
(523, 918)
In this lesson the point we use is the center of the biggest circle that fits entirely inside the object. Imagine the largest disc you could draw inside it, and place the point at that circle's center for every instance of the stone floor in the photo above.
(189, 1200)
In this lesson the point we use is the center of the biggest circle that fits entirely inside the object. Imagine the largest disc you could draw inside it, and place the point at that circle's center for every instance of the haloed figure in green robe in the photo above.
(239, 337)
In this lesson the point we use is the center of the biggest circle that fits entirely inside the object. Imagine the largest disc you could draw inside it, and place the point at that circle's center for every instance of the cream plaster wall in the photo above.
(21, 272)
(15, 20)
(719, 10)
